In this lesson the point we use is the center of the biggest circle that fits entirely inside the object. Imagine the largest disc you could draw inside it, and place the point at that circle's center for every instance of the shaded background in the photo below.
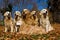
(14, 5)
(22, 4)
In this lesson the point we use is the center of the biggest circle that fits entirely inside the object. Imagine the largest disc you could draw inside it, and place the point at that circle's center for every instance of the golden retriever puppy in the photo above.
(18, 21)
(34, 18)
(44, 20)
(8, 21)
(26, 16)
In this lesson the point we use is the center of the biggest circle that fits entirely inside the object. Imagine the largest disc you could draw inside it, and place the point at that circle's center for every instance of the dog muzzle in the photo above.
(44, 14)
(8, 17)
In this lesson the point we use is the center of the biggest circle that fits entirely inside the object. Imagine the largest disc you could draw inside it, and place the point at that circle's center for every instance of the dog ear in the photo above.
(40, 13)
(23, 13)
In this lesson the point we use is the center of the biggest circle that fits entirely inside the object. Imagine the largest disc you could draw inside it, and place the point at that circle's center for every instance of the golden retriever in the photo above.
(18, 21)
(8, 21)
(44, 20)
(26, 16)
(34, 18)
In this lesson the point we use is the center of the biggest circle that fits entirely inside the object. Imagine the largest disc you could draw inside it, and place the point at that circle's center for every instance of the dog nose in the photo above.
(16, 15)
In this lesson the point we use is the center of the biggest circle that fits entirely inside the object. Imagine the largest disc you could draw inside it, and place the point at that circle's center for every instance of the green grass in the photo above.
(58, 38)
(1, 22)
(29, 37)
(45, 36)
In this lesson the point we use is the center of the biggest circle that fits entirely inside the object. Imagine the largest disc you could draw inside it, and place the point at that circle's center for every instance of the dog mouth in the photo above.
(17, 25)
(8, 16)
(44, 14)
(16, 17)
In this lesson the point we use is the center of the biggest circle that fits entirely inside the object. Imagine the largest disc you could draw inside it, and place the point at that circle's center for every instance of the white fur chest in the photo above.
(19, 22)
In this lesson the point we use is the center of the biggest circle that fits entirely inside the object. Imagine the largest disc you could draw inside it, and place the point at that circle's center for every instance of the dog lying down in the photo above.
(28, 29)
(44, 20)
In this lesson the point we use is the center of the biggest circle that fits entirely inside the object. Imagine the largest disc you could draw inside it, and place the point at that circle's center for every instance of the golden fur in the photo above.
(8, 21)
(26, 16)
(34, 18)
(44, 20)
(18, 21)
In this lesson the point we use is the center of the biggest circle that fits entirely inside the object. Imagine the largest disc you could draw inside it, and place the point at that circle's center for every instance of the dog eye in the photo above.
(15, 14)
(46, 11)
(23, 12)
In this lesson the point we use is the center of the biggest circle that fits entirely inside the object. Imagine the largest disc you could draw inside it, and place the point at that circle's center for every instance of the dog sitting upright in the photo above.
(26, 16)
(18, 21)
(44, 20)
(8, 21)
(34, 18)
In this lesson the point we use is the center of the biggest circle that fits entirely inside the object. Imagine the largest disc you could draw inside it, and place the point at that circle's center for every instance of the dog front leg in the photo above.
(47, 28)
(16, 28)
(11, 29)
(5, 29)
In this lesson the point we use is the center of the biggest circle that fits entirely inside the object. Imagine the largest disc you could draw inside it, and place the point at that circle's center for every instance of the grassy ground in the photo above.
(53, 35)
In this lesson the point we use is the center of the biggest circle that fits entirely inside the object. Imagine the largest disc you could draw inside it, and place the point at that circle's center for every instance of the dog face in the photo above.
(44, 12)
(33, 13)
(17, 15)
(7, 15)
(25, 13)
